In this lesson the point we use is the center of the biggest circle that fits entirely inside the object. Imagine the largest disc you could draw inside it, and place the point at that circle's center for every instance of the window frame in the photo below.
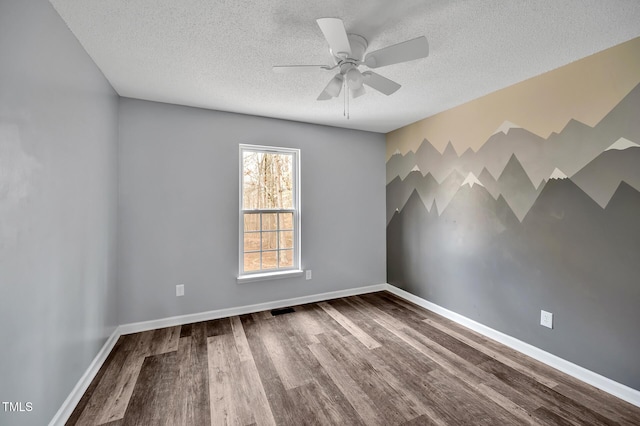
(295, 270)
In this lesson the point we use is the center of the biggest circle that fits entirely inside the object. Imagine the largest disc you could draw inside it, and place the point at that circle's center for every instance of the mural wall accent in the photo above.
(516, 164)
(525, 221)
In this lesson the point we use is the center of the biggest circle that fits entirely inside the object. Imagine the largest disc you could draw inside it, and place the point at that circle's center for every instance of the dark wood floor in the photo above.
(368, 360)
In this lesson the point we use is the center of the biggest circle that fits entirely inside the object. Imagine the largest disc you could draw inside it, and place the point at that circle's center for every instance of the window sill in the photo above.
(270, 276)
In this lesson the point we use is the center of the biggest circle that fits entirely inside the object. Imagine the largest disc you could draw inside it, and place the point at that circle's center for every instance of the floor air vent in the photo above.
(282, 311)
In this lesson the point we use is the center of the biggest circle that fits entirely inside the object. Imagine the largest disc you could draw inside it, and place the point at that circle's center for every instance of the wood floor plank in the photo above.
(420, 421)
(552, 400)
(185, 330)
(325, 407)
(345, 322)
(325, 321)
(181, 408)
(307, 325)
(197, 371)
(332, 402)
(517, 407)
(173, 339)
(392, 392)
(465, 408)
(262, 315)
(114, 423)
(164, 340)
(244, 353)
(285, 410)
(546, 416)
(229, 397)
(287, 364)
(617, 410)
(153, 394)
(218, 327)
(188, 406)
(118, 401)
(369, 359)
(363, 405)
(259, 402)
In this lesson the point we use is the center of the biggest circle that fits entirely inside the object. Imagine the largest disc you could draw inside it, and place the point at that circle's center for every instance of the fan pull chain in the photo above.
(347, 95)
(345, 99)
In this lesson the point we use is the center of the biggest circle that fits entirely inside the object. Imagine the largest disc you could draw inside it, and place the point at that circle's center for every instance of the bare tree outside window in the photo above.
(269, 215)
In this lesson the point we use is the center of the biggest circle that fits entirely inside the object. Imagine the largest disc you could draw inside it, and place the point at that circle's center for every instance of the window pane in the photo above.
(267, 180)
(286, 239)
(251, 241)
(250, 179)
(252, 222)
(286, 220)
(270, 260)
(286, 258)
(269, 222)
(269, 240)
(252, 261)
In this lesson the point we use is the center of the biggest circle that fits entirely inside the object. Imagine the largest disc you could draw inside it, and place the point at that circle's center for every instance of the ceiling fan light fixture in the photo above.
(354, 79)
(356, 93)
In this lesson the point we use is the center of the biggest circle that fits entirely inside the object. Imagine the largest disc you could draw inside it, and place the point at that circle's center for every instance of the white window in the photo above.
(269, 211)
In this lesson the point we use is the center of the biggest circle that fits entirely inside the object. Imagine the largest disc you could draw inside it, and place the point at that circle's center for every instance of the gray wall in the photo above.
(58, 194)
(178, 209)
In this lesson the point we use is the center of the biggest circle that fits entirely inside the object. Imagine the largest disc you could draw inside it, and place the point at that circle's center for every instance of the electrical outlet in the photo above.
(180, 290)
(546, 319)
(308, 274)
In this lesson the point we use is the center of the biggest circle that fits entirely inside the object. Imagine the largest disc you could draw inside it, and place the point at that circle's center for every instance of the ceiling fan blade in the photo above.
(324, 96)
(336, 35)
(380, 83)
(289, 69)
(333, 88)
(401, 52)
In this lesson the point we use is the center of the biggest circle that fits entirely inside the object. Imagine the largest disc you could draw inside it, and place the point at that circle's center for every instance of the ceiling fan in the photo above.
(348, 53)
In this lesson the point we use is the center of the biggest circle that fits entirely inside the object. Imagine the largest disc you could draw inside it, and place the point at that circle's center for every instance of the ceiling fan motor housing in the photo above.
(358, 47)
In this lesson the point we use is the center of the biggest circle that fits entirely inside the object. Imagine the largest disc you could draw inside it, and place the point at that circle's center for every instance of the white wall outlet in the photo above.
(308, 274)
(546, 319)
(180, 290)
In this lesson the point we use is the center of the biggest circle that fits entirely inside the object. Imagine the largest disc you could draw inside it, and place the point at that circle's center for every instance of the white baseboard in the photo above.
(74, 397)
(614, 388)
(248, 309)
(67, 407)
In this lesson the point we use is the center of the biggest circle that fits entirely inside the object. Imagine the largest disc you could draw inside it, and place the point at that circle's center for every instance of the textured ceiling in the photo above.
(218, 54)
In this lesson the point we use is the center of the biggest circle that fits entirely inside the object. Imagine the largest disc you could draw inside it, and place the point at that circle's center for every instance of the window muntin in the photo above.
(269, 209)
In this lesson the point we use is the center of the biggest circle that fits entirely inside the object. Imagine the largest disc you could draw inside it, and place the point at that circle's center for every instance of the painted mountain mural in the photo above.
(515, 163)
(601, 177)
(525, 223)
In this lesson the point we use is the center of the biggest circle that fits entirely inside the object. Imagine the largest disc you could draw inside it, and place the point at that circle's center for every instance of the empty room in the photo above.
(332, 213)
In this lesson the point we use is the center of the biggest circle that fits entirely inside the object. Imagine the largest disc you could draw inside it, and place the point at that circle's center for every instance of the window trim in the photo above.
(296, 269)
